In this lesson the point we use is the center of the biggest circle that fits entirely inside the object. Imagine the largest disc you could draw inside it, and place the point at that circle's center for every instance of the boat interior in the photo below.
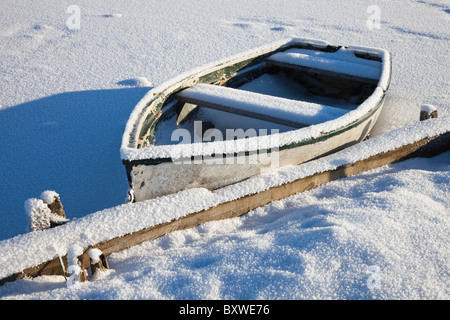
(329, 78)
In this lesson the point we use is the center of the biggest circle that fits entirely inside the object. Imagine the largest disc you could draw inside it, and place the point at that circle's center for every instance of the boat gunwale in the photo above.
(157, 97)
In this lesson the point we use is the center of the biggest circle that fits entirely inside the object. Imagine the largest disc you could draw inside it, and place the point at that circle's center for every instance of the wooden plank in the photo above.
(297, 64)
(287, 112)
(217, 103)
(425, 147)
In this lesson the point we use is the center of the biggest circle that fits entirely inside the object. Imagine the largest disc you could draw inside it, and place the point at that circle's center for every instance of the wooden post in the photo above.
(83, 274)
(104, 261)
(98, 260)
(75, 260)
(58, 215)
(57, 208)
(46, 212)
(38, 214)
(428, 111)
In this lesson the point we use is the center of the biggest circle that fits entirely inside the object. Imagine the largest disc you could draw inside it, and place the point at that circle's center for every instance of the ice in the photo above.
(38, 214)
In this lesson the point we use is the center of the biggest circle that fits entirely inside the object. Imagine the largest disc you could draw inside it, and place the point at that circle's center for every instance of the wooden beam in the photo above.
(425, 148)
(297, 63)
(266, 107)
(218, 98)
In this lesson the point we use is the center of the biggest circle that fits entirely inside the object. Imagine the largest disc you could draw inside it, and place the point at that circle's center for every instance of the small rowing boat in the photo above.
(282, 104)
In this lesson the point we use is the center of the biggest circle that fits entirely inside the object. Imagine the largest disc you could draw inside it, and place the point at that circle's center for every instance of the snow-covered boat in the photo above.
(282, 104)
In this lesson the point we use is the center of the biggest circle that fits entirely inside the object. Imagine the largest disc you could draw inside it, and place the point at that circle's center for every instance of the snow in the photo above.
(73, 253)
(48, 196)
(428, 108)
(94, 255)
(67, 95)
(118, 221)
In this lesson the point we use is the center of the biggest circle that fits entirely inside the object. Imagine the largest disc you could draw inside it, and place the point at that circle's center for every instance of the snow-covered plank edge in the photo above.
(22, 256)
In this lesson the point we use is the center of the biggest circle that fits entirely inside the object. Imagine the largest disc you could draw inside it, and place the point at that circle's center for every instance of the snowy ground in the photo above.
(66, 95)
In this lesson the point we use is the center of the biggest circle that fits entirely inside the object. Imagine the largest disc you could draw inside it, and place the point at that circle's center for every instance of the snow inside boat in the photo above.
(283, 104)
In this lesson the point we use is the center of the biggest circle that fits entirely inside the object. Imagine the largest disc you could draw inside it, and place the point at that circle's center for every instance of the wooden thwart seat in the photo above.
(293, 113)
(357, 69)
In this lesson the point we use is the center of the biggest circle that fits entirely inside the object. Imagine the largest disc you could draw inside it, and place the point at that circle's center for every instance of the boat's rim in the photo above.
(285, 140)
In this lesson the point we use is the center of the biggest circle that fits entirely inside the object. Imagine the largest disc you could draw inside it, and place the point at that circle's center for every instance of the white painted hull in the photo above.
(151, 181)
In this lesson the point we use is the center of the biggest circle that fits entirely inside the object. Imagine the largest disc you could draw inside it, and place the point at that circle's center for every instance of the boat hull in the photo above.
(152, 176)
(156, 180)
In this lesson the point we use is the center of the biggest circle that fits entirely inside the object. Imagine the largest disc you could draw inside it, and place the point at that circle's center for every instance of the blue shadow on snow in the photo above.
(68, 143)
